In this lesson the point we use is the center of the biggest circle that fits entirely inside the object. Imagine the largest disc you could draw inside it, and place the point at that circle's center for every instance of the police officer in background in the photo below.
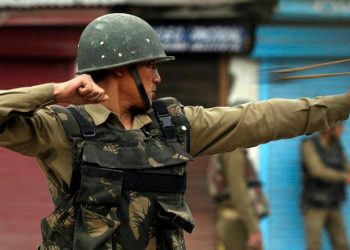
(239, 211)
(115, 161)
(325, 175)
(240, 202)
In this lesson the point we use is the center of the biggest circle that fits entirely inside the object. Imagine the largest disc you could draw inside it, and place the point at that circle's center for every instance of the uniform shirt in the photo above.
(317, 168)
(27, 126)
(235, 170)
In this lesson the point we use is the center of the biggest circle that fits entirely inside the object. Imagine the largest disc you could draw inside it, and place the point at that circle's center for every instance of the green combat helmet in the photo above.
(119, 39)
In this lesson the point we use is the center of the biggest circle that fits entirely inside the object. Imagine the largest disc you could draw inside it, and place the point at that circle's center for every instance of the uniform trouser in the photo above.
(317, 219)
(232, 233)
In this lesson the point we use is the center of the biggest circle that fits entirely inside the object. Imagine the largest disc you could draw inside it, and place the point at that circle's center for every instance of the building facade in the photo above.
(300, 33)
(38, 41)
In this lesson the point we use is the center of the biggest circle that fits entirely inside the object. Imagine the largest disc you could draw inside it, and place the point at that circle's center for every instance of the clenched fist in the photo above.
(79, 90)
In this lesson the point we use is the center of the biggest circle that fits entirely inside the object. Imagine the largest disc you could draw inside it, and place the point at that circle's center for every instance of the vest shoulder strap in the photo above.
(164, 118)
(86, 128)
(69, 123)
(171, 117)
(74, 124)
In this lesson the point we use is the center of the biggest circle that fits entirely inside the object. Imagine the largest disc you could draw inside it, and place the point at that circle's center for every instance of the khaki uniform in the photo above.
(236, 219)
(28, 127)
(318, 218)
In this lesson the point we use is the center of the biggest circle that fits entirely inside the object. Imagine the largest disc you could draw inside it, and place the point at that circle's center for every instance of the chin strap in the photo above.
(135, 75)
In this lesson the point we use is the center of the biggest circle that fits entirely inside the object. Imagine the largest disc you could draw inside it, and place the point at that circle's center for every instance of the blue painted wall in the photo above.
(313, 9)
(287, 47)
(280, 163)
(301, 41)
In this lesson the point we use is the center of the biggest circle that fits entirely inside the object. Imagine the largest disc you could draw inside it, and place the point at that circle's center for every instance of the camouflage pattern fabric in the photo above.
(101, 214)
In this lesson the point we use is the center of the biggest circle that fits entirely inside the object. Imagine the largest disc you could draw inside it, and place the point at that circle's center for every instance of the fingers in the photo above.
(79, 90)
(90, 92)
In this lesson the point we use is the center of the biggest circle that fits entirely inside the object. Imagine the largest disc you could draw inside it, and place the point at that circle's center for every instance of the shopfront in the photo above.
(303, 33)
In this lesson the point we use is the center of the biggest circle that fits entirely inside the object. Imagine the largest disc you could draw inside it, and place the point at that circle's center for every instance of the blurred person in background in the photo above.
(240, 202)
(326, 172)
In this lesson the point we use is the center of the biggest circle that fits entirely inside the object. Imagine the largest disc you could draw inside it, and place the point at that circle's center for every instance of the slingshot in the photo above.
(282, 74)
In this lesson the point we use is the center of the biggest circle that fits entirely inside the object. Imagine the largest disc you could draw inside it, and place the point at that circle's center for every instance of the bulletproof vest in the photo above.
(321, 193)
(127, 188)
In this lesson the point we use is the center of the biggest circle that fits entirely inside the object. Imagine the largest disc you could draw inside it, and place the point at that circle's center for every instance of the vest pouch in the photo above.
(93, 231)
(100, 186)
(58, 228)
(174, 213)
(154, 153)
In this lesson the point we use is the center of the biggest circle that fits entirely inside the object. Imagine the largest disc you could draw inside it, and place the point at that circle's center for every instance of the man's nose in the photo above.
(157, 78)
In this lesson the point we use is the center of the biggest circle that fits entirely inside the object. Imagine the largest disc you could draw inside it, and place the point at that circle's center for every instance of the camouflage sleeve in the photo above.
(222, 129)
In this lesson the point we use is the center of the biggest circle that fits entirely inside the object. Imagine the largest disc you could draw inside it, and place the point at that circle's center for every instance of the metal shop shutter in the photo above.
(23, 188)
(280, 162)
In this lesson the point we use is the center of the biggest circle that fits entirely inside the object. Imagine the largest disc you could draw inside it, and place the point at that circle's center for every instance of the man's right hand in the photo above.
(347, 178)
(79, 90)
(255, 241)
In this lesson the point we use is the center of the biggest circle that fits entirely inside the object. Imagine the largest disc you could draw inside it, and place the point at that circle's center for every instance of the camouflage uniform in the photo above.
(29, 127)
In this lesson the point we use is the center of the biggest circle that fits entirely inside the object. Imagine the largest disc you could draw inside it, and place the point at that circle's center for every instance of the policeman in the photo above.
(326, 172)
(240, 201)
(114, 161)
(237, 225)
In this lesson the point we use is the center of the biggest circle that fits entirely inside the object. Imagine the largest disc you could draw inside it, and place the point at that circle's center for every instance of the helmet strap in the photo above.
(139, 84)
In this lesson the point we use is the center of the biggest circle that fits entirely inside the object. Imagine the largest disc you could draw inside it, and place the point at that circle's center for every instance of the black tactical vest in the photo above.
(320, 193)
(127, 188)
